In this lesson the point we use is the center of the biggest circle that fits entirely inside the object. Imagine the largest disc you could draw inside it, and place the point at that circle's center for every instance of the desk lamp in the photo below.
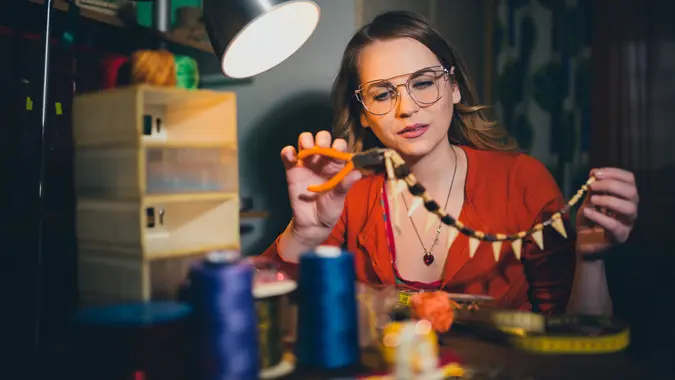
(252, 36)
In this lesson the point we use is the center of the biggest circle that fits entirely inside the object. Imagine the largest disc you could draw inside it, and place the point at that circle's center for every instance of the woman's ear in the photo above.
(364, 121)
(456, 94)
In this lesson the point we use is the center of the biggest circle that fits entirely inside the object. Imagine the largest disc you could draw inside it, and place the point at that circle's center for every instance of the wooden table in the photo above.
(492, 362)
(510, 363)
(496, 362)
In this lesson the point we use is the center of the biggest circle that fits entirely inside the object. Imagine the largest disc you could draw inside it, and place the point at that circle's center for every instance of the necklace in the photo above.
(428, 257)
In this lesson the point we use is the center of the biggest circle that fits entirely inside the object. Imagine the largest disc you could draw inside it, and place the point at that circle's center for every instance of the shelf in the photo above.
(187, 145)
(117, 22)
(188, 197)
(93, 28)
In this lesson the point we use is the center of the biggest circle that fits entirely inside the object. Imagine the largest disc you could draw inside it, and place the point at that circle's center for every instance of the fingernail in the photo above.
(598, 174)
(588, 211)
(594, 198)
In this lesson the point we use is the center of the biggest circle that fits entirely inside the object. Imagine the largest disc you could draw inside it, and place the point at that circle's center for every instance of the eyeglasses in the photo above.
(425, 86)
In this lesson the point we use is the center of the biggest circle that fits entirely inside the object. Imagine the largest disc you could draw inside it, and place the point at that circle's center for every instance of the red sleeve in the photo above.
(550, 272)
(336, 238)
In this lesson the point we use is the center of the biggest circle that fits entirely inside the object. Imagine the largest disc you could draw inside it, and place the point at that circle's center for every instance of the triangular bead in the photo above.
(517, 246)
(417, 202)
(452, 235)
(395, 205)
(559, 226)
(401, 186)
(473, 246)
(496, 249)
(538, 237)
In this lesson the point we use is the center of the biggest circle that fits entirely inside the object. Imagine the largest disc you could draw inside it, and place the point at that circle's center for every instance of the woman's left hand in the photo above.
(616, 192)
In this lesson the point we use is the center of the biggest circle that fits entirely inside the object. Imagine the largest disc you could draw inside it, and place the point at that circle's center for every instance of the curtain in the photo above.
(633, 127)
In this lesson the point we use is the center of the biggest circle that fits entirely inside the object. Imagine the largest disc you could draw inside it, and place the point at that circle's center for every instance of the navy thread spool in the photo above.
(327, 316)
(224, 318)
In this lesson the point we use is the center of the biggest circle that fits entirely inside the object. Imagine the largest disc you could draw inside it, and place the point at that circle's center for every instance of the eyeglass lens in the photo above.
(425, 87)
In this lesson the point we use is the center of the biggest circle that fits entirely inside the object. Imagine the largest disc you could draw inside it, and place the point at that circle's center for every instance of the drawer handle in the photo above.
(151, 220)
(148, 125)
(150, 217)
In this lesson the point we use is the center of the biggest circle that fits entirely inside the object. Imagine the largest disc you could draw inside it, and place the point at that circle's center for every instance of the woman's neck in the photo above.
(432, 169)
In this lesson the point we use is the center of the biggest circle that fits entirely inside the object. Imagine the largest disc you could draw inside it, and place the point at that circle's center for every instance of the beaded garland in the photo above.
(399, 177)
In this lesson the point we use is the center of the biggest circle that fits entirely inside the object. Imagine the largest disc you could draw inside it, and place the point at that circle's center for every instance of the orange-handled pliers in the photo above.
(371, 159)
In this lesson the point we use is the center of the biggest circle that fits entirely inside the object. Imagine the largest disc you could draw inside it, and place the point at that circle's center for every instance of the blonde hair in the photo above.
(469, 126)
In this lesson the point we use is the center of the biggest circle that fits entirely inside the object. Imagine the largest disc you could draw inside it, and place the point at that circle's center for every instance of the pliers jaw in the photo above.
(372, 159)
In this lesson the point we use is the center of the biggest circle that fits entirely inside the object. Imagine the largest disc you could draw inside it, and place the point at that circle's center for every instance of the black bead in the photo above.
(417, 189)
(431, 206)
(447, 219)
(401, 171)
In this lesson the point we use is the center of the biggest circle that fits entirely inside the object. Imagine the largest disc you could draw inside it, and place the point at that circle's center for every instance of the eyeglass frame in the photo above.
(445, 72)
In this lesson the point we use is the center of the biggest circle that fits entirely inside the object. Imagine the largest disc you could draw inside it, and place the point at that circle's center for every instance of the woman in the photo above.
(401, 85)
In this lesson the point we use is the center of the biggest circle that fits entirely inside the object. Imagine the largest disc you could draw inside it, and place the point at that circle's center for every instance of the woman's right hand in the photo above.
(315, 214)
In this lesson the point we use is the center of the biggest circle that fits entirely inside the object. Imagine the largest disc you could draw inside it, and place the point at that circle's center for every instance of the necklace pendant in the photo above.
(428, 258)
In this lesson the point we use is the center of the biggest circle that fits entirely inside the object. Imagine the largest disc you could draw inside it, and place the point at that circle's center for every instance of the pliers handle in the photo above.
(372, 158)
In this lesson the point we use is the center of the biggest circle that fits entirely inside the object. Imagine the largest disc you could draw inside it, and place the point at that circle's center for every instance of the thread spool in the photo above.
(155, 67)
(187, 72)
(270, 290)
(398, 338)
(125, 340)
(111, 68)
(327, 317)
(220, 290)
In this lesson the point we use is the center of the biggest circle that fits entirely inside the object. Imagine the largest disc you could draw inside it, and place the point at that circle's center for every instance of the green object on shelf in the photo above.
(144, 10)
(187, 72)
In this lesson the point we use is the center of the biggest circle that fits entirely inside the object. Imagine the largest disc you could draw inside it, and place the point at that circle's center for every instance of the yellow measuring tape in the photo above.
(569, 334)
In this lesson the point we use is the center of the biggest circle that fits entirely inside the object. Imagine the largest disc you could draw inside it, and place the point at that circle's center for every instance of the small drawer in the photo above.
(131, 116)
(128, 172)
(160, 226)
(106, 277)
(185, 170)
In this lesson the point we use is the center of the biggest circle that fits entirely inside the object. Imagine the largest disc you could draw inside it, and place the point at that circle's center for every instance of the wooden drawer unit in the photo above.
(156, 176)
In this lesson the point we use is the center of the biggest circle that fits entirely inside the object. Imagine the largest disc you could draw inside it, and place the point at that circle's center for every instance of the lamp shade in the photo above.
(252, 36)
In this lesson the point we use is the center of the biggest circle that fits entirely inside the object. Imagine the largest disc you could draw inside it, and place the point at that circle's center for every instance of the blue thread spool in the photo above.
(327, 316)
(220, 290)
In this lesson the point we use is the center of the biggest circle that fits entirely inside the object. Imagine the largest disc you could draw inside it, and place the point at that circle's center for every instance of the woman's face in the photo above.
(411, 128)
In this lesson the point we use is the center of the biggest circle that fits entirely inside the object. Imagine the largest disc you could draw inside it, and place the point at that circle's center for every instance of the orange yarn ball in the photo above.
(155, 67)
(436, 307)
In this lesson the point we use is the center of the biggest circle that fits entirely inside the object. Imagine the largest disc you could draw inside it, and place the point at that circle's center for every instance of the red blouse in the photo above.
(505, 192)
